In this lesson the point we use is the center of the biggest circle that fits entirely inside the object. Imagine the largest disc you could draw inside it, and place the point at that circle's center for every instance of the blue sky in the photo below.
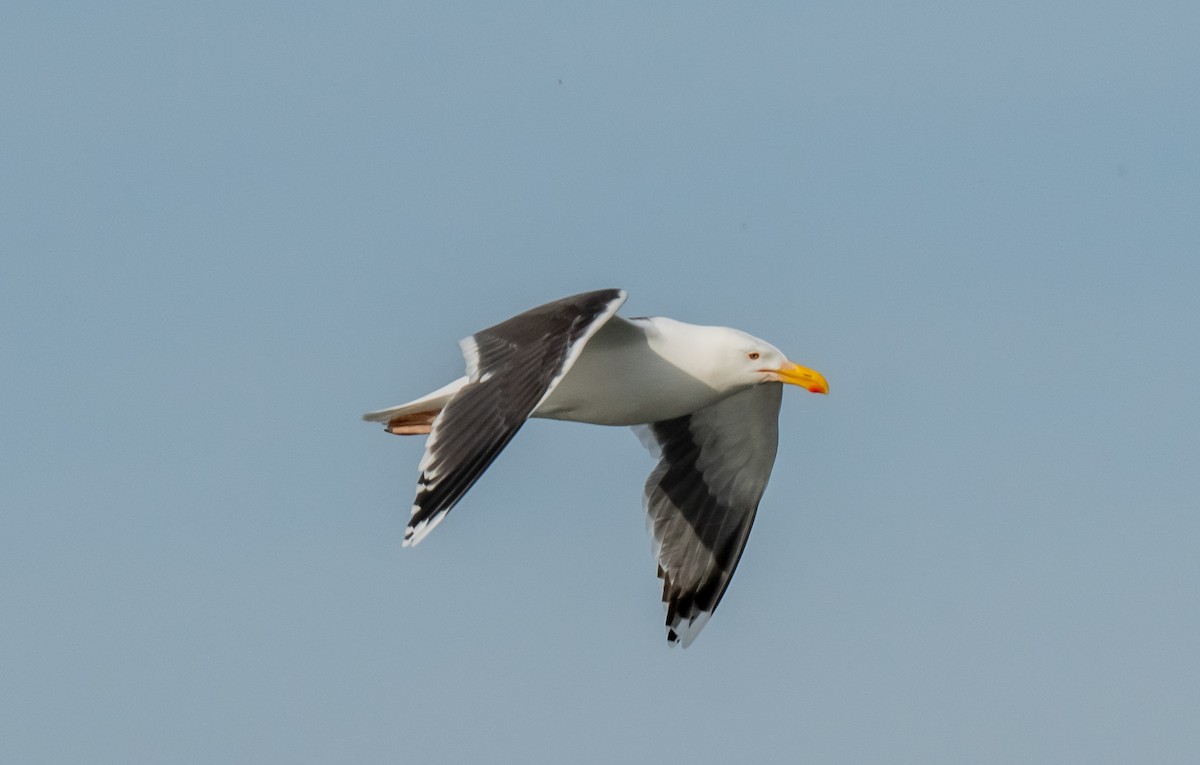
(226, 230)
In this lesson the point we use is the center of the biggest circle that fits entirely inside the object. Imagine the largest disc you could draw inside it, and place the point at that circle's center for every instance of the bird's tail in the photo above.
(416, 417)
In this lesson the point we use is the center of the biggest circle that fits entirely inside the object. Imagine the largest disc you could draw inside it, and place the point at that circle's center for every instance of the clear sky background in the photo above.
(227, 229)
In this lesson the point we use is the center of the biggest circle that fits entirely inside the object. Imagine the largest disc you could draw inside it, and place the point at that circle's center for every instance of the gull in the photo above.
(705, 401)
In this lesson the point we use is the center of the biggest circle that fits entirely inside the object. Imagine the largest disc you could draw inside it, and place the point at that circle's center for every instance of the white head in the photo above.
(738, 360)
(752, 360)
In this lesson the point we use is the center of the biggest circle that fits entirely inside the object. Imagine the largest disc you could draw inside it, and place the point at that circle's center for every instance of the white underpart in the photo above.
(665, 370)
(577, 348)
(636, 371)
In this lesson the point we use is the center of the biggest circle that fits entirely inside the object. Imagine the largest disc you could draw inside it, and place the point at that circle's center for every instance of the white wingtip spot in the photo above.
(685, 631)
(414, 534)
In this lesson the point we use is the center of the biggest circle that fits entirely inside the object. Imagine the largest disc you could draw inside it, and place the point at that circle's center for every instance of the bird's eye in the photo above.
(753, 355)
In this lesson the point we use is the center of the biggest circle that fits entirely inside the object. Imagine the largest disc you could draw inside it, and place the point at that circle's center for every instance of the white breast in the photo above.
(626, 376)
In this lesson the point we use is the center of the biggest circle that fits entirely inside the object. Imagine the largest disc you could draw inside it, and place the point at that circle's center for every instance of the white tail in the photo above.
(416, 417)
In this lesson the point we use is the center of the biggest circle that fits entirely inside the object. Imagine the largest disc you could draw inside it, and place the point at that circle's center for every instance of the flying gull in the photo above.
(704, 400)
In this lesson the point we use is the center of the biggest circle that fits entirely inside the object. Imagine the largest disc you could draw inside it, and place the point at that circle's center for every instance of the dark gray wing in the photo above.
(713, 467)
(512, 367)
